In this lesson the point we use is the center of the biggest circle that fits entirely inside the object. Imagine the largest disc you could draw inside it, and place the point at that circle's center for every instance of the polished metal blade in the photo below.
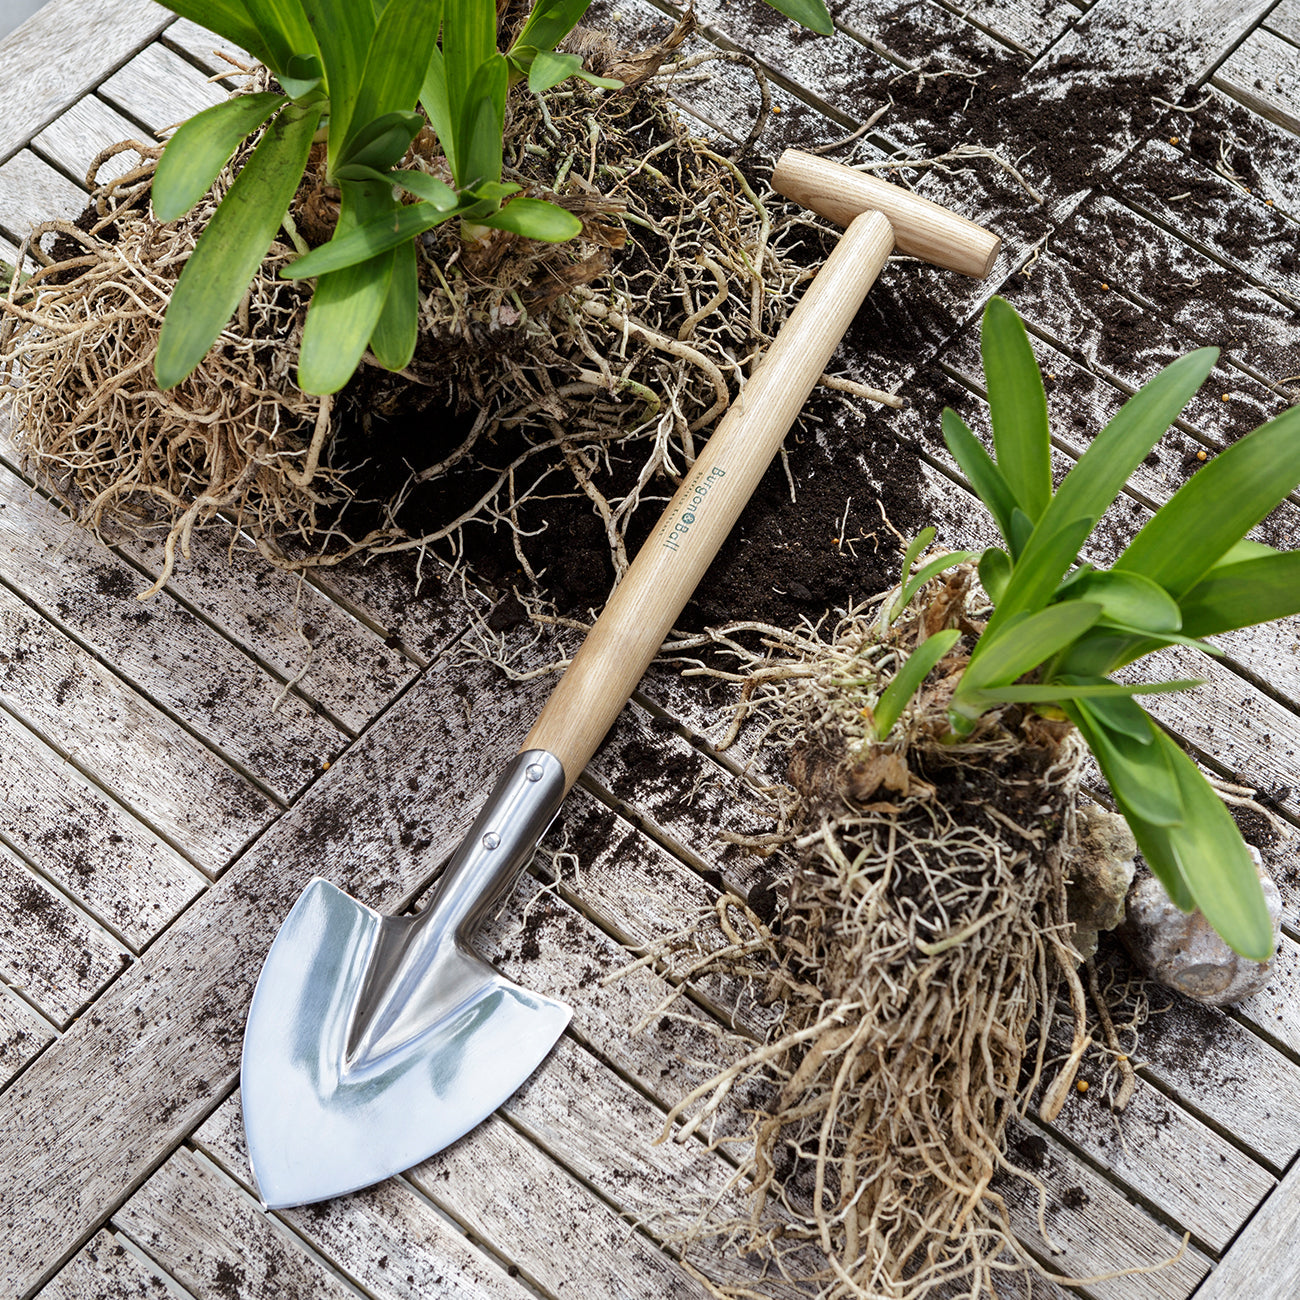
(328, 1110)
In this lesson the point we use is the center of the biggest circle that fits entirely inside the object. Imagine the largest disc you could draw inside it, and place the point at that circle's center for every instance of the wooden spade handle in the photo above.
(666, 571)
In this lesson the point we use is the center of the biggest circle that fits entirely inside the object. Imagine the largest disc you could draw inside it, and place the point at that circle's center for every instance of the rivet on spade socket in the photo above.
(534, 772)
(491, 840)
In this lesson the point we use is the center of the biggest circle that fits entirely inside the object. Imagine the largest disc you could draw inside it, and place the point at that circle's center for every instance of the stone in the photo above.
(1180, 950)
(1101, 872)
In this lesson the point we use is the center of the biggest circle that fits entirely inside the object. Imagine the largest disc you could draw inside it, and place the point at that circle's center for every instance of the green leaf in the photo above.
(1214, 862)
(1217, 506)
(1156, 845)
(201, 147)
(807, 13)
(366, 241)
(1099, 693)
(913, 552)
(1244, 550)
(995, 572)
(547, 70)
(303, 75)
(347, 305)
(1241, 595)
(228, 18)
(985, 477)
(1138, 771)
(480, 125)
(397, 331)
(343, 29)
(535, 219)
(1022, 529)
(1018, 407)
(927, 571)
(426, 187)
(998, 661)
(907, 681)
(382, 141)
(232, 247)
(1129, 600)
(285, 32)
(435, 99)
(469, 40)
(549, 23)
(396, 63)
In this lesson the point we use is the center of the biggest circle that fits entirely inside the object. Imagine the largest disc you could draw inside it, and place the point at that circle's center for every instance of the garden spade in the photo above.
(375, 1041)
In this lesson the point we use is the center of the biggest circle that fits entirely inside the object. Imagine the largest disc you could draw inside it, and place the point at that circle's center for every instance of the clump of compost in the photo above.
(913, 955)
(533, 358)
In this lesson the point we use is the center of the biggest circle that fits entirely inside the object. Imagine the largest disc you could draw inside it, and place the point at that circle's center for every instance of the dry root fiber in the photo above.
(915, 959)
(636, 332)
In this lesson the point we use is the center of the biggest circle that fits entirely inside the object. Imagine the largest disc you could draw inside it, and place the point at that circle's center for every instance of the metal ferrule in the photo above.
(521, 807)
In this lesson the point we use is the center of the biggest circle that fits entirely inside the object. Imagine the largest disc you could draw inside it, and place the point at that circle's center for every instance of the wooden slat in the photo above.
(1262, 75)
(388, 1238)
(31, 191)
(1284, 19)
(65, 50)
(167, 653)
(51, 952)
(1275, 1011)
(76, 136)
(105, 1268)
(205, 47)
(182, 789)
(160, 89)
(91, 847)
(23, 1034)
(216, 1241)
(1030, 25)
(1263, 1262)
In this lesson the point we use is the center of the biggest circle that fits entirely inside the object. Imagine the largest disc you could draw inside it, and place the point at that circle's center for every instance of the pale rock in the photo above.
(1101, 872)
(1179, 949)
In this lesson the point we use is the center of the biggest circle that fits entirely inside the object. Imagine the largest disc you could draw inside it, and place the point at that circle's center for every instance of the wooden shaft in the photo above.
(668, 568)
(921, 228)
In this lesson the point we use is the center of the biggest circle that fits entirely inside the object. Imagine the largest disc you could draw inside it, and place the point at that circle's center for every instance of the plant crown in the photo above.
(1059, 629)
(354, 73)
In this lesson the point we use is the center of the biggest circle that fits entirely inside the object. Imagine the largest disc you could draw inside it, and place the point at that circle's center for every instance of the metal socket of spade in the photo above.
(374, 1041)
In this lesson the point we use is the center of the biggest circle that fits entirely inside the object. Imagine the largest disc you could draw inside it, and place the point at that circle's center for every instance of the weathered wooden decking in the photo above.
(172, 774)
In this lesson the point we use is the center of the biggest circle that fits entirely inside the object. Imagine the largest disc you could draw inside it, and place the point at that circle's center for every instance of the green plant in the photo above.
(352, 73)
(1057, 632)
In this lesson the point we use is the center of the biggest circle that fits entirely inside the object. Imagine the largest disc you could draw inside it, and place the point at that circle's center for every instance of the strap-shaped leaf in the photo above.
(1241, 595)
(907, 681)
(396, 62)
(1138, 773)
(201, 147)
(999, 660)
(368, 240)
(931, 569)
(1018, 408)
(469, 40)
(381, 142)
(347, 304)
(228, 18)
(232, 246)
(985, 477)
(285, 31)
(807, 13)
(535, 219)
(398, 328)
(435, 99)
(1217, 506)
(480, 125)
(1100, 694)
(549, 23)
(1037, 572)
(1129, 600)
(1156, 845)
(1215, 863)
(995, 572)
(343, 30)
(426, 187)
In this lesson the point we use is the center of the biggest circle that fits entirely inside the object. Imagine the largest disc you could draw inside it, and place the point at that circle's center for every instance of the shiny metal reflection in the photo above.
(375, 1041)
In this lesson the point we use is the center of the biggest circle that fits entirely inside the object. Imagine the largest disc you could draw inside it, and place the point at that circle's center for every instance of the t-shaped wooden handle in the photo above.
(659, 582)
(921, 228)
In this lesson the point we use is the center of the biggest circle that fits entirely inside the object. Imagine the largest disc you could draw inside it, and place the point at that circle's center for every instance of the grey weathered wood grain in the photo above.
(50, 951)
(1262, 75)
(31, 191)
(206, 47)
(105, 1268)
(168, 654)
(23, 1033)
(180, 788)
(1284, 20)
(77, 135)
(1275, 1011)
(388, 1238)
(65, 50)
(160, 89)
(217, 1242)
(74, 834)
(1030, 25)
(1263, 1262)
